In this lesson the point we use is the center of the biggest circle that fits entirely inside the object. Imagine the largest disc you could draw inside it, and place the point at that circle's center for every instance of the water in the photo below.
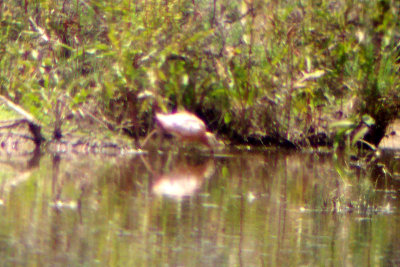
(249, 209)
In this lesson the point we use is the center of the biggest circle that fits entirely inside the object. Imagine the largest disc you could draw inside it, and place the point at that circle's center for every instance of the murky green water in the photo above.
(252, 209)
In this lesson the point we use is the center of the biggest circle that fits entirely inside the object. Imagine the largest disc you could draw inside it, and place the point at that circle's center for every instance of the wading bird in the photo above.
(184, 125)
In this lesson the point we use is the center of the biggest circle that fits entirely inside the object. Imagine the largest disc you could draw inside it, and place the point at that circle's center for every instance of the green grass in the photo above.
(264, 68)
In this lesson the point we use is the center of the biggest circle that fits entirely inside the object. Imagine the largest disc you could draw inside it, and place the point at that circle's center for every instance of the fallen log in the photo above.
(34, 125)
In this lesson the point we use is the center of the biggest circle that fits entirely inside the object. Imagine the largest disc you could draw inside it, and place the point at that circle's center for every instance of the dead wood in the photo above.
(34, 125)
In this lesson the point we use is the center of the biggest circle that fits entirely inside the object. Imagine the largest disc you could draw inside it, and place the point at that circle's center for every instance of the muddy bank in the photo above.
(20, 140)
(22, 136)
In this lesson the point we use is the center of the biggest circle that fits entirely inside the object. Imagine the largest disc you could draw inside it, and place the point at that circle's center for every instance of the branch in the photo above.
(34, 125)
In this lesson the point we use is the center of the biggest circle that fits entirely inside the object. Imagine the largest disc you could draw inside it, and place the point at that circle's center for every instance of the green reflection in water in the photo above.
(253, 209)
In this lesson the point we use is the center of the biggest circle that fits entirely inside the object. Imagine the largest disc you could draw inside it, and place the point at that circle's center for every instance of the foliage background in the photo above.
(251, 69)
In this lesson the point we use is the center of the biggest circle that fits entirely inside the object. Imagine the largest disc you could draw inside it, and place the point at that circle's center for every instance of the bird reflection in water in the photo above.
(183, 180)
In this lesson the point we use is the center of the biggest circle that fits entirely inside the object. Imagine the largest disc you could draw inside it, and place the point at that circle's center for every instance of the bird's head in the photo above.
(210, 140)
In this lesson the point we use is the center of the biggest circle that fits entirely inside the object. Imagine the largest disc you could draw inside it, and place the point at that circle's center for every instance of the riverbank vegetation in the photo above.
(258, 72)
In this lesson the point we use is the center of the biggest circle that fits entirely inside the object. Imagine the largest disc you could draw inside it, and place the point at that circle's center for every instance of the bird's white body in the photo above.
(186, 126)
(182, 124)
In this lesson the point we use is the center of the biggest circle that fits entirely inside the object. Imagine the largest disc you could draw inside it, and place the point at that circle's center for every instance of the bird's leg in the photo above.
(147, 165)
(148, 137)
(161, 140)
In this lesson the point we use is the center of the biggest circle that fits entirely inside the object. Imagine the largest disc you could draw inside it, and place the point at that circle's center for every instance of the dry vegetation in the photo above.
(258, 72)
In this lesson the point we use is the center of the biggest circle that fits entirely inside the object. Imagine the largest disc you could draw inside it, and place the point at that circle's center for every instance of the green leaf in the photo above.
(368, 120)
(359, 135)
(227, 118)
(344, 124)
